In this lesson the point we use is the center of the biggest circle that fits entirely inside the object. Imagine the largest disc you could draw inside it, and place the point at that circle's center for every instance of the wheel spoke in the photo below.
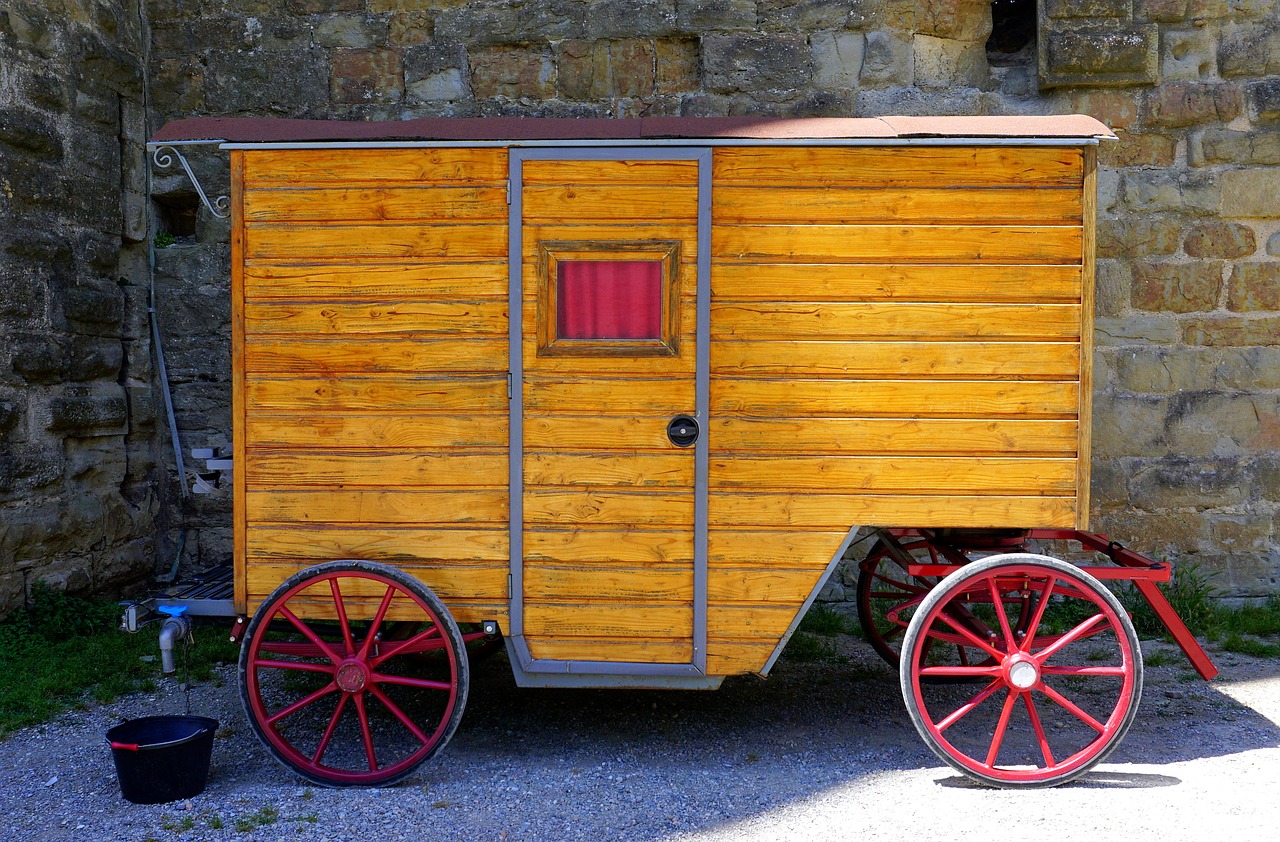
(968, 707)
(363, 716)
(377, 622)
(1048, 669)
(328, 732)
(411, 682)
(1036, 726)
(970, 636)
(310, 635)
(961, 671)
(1010, 644)
(997, 739)
(1038, 615)
(341, 608)
(303, 702)
(1068, 638)
(300, 666)
(399, 714)
(298, 649)
(416, 640)
(1073, 708)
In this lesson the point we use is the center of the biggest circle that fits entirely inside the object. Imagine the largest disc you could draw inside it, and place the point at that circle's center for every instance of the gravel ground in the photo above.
(819, 750)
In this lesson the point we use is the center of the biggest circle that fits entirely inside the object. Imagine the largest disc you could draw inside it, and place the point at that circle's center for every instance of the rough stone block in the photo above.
(27, 133)
(1129, 425)
(1165, 370)
(1188, 56)
(319, 7)
(1150, 191)
(1220, 146)
(1088, 8)
(676, 66)
(1251, 193)
(1113, 279)
(1240, 532)
(755, 63)
(1223, 425)
(1266, 474)
(234, 86)
(1108, 479)
(1249, 369)
(1188, 103)
(410, 29)
(1264, 99)
(960, 20)
(631, 18)
(1099, 55)
(944, 63)
(1118, 109)
(1220, 239)
(1273, 245)
(512, 72)
(366, 76)
(1136, 330)
(1231, 330)
(699, 16)
(1162, 11)
(1139, 150)
(353, 31)
(809, 15)
(887, 60)
(1138, 237)
(837, 58)
(1180, 482)
(39, 358)
(1254, 287)
(1250, 51)
(93, 358)
(1176, 287)
(82, 411)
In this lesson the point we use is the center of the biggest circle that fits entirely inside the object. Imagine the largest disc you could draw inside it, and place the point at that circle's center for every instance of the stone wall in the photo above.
(77, 434)
(1187, 422)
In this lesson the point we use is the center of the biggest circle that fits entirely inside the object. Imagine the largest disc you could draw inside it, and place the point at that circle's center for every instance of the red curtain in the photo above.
(609, 299)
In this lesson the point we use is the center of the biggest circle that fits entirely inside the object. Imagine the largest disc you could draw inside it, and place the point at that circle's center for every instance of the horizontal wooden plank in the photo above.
(375, 204)
(898, 166)
(803, 205)
(652, 396)
(895, 398)
(887, 474)
(612, 546)
(630, 171)
(463, 610)
(467, 582)
(604, 432)
(641, 470)
(424, 166)
(561, 583)
(370, 318)
(755, 584)
(892, 435)
(404, 394)
(608, 203)
(756, 621)
(737, 657)
(378, 281)
(909, 321)
(680, 367)
(898, 243)
(845, 510)
(479, 611)
(373, 429)
(407, 547)
(603, 619)
(739, 548)
(370, 355)
(333, 505)
(1008, 360)
(612, 650)
(890, 282)
(346, 241)
(374, 469)
(623, 230)
(653, 508)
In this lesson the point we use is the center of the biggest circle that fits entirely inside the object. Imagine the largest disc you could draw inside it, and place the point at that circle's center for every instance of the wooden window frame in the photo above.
(551, 252)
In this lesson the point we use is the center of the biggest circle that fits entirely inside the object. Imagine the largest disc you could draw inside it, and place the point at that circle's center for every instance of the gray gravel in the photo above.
(820, 750)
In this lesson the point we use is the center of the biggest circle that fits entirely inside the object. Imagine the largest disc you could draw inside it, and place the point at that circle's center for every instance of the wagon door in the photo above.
(609, 402)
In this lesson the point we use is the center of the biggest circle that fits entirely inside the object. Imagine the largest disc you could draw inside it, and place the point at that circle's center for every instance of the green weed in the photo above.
(1157, 659)
(1236, 642)
(804, 647)
(262, 818)
(164, 239)
(825, 620)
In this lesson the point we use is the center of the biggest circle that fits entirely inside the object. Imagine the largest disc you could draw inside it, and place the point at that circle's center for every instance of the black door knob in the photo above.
(682, 430)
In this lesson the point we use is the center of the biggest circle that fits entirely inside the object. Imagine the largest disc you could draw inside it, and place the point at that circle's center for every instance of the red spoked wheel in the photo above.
(337, 699)
(1055, 662)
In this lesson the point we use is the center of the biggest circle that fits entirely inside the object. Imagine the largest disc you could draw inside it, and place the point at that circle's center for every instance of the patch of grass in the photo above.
(69, 650)
(1157, 659)
(825, 620)
(1261, 619)
(1236, 642)
(264, 817)
(215, 822)
(1189, 593)
(804, 647)
(164, 239)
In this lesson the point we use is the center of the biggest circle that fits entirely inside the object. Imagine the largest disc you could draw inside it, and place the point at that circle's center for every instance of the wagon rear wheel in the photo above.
(1061, 680)
(332, 695)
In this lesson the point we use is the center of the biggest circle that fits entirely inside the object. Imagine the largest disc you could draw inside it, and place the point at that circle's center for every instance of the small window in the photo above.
(608, 298)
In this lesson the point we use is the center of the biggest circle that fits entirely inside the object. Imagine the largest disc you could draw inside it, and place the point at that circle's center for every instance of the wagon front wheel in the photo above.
(1055, 671)
(335, 697)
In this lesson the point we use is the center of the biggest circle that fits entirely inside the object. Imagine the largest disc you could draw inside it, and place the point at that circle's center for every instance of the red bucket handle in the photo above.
(125, 746)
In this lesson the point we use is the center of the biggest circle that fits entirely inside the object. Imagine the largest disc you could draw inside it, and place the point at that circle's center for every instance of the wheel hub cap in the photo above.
(1022, 674)
(352, 676)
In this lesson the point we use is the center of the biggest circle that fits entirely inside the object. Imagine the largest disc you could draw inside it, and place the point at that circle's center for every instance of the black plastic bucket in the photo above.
(162, 758)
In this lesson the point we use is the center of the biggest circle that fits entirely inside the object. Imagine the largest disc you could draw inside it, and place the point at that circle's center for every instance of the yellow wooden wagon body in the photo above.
(870, 322)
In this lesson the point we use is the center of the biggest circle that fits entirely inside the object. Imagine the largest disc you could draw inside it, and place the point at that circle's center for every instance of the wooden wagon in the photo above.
(622, 393)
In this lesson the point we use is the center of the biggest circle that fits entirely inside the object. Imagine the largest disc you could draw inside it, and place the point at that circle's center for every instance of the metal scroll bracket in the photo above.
(163, 157)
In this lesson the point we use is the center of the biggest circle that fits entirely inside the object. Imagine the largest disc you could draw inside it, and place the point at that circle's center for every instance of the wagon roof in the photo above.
(517, 129)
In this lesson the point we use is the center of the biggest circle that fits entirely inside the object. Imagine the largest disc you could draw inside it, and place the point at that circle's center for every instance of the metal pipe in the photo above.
(173, 630)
